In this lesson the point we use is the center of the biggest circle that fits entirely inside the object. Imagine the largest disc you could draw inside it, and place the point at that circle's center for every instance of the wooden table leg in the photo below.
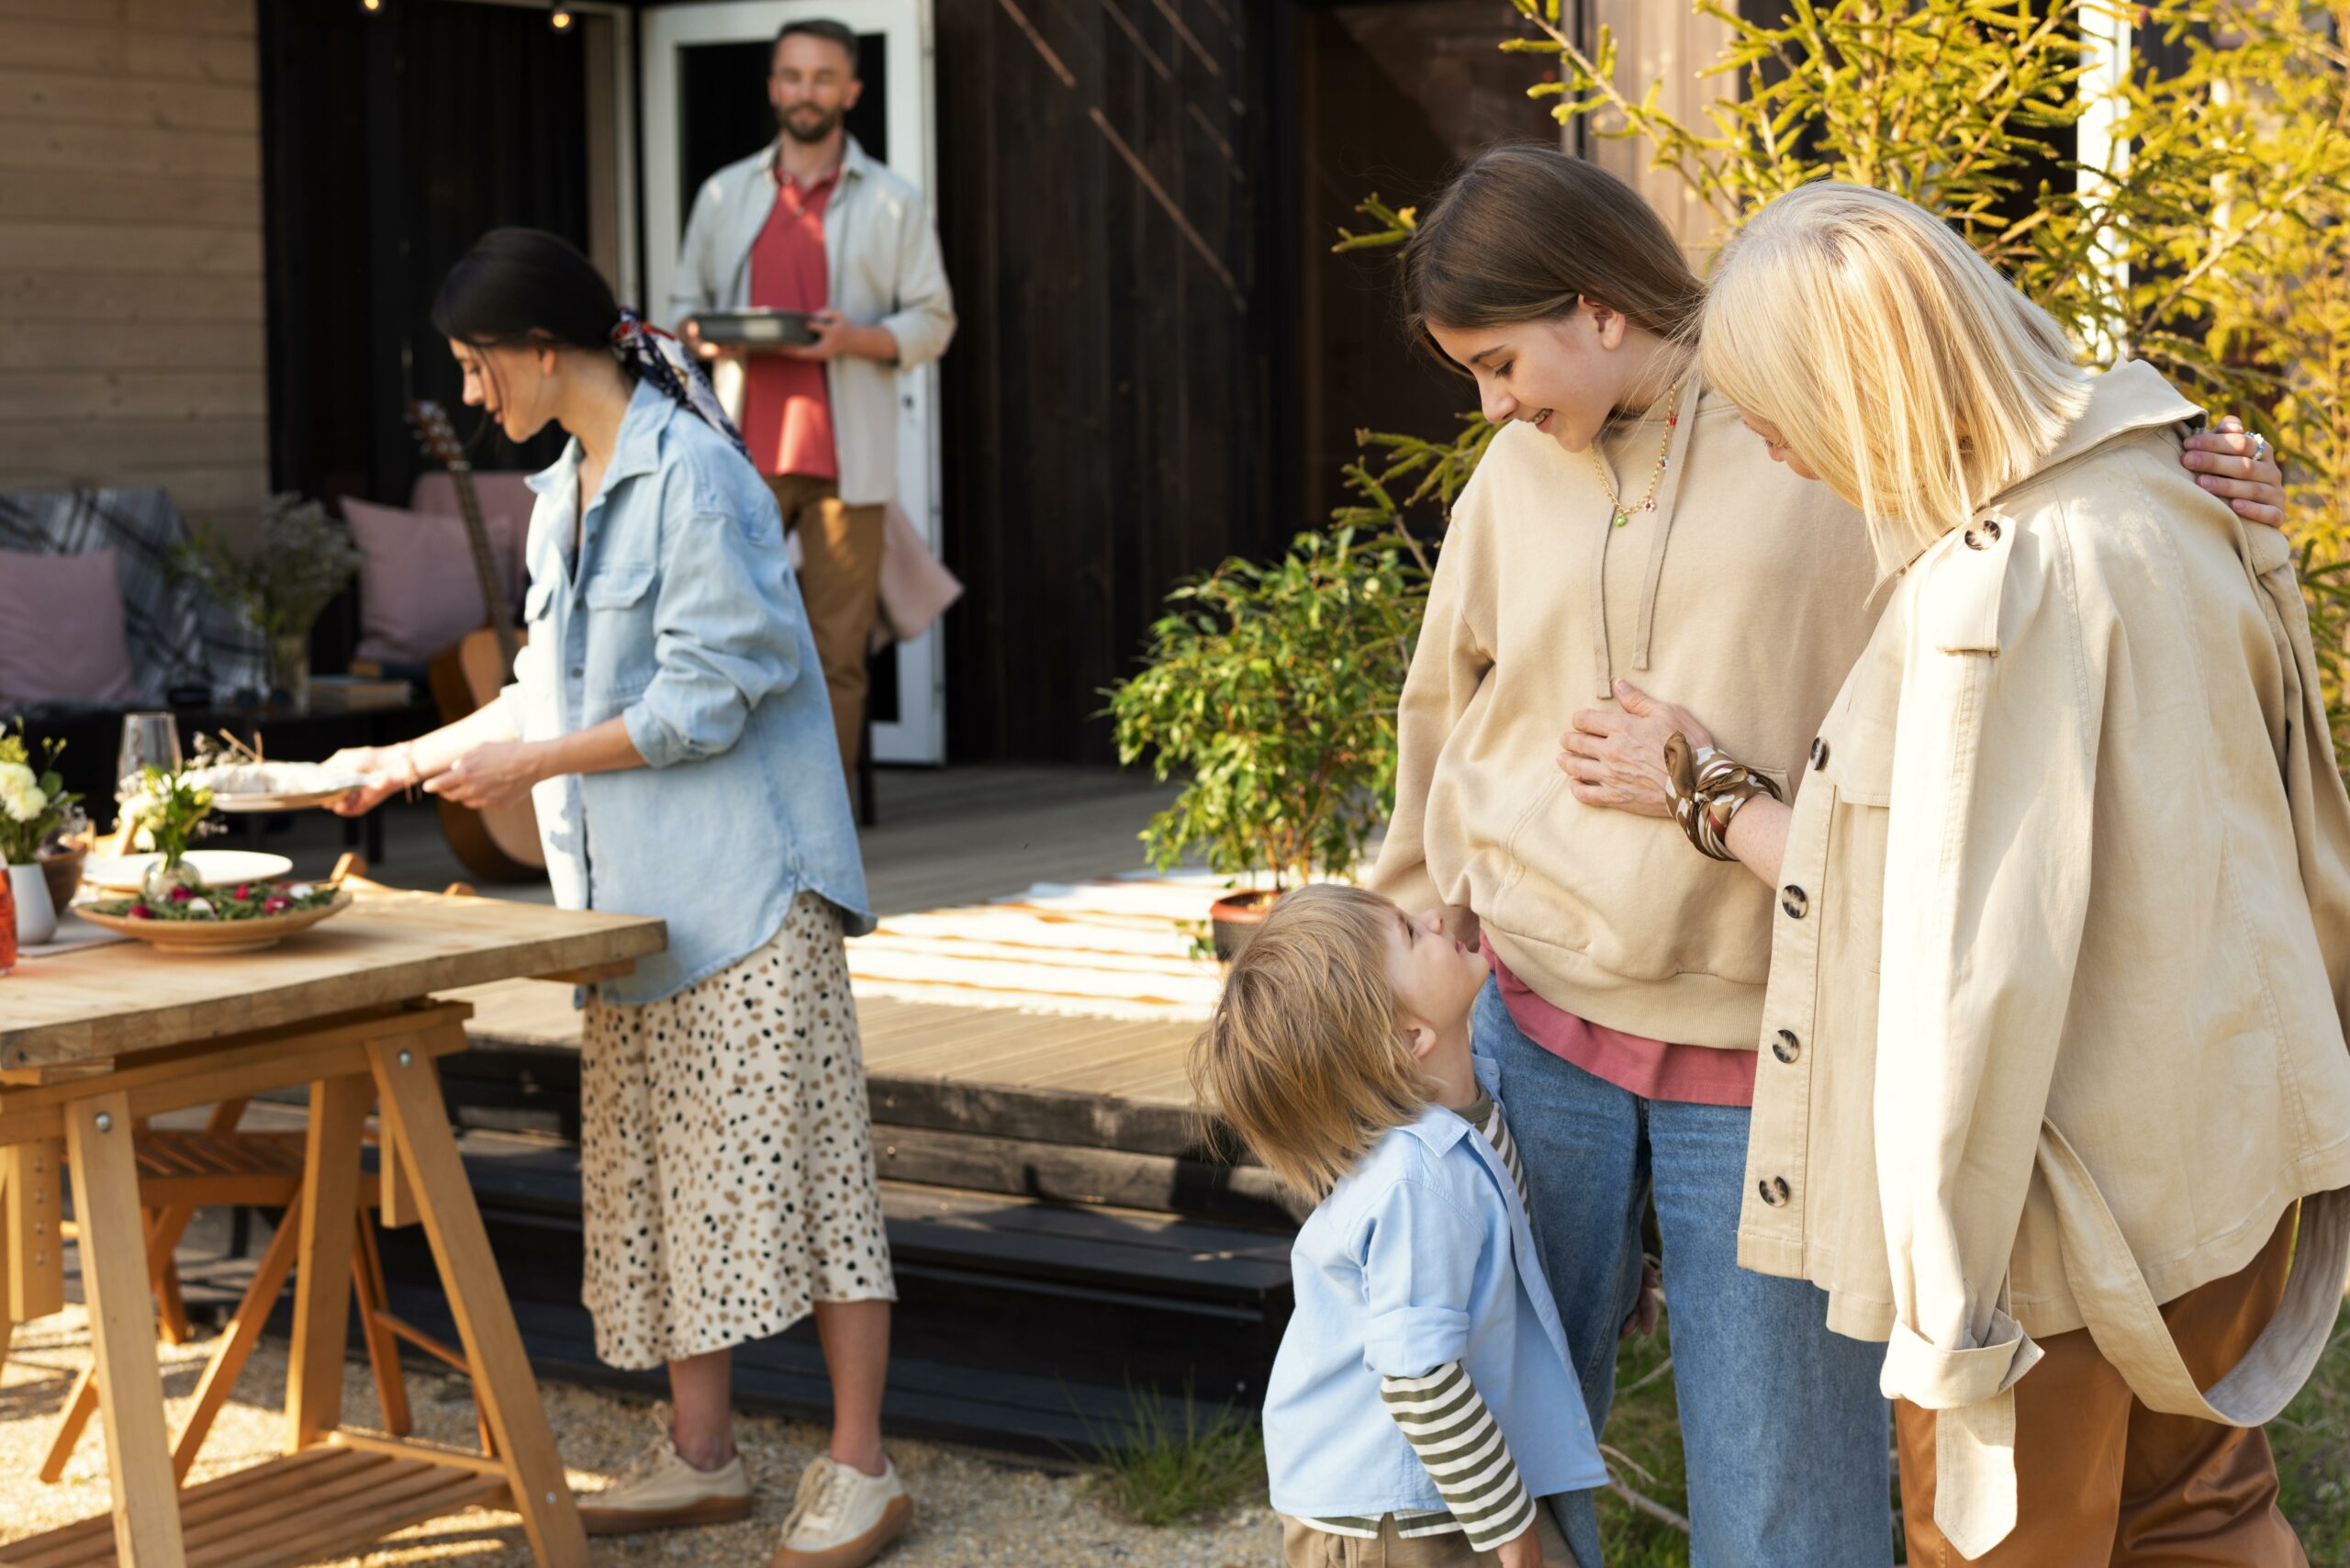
(122, 1332)
(416, 1118)
(322, 1266)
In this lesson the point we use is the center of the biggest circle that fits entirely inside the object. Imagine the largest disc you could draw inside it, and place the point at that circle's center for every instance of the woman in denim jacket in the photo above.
(668, 704)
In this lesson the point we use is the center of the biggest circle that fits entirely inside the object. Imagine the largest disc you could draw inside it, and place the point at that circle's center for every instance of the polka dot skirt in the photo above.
(727, 1153)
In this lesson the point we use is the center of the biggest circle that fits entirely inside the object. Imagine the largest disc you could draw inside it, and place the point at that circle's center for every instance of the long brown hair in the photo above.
(1524, 233)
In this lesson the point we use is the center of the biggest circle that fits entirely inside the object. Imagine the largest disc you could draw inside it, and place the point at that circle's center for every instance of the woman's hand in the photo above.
(386, 768)
(1618, 758)
(1641, 1319)
(2240, 469)
(495, 773)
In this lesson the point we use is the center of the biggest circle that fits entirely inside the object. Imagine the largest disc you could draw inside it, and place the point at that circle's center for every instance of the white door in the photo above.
(702, 70)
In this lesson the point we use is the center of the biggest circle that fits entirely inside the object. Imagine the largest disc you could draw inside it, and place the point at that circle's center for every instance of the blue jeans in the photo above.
(1783, 1430)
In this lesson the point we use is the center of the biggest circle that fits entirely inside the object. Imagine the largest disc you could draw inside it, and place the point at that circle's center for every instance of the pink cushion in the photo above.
(417, 590)
(61, 630)
(499, 493)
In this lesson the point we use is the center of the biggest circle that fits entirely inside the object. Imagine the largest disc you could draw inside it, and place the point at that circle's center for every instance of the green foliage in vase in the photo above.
(280, 585)
(171, 807)
(1273, 686)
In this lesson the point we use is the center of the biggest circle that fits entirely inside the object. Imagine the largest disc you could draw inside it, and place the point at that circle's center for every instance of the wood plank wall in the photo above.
(1100, 162)
(131, 250)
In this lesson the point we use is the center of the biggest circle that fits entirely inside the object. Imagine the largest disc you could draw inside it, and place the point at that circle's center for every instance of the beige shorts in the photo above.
(1303, 1546)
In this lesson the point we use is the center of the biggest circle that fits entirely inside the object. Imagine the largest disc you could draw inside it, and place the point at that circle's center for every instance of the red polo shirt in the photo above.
(1653, 1069)
(786, 410)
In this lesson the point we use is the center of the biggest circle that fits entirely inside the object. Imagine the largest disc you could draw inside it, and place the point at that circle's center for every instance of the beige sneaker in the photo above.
(660, 1491)
(843, 1517)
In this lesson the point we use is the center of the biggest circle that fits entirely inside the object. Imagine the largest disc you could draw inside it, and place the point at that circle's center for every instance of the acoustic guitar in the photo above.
(502, 844)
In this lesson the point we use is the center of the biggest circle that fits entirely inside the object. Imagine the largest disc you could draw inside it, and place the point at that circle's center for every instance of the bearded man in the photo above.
(812, 223)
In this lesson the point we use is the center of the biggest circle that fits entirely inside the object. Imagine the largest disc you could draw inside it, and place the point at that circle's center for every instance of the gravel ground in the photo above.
(971, 1507)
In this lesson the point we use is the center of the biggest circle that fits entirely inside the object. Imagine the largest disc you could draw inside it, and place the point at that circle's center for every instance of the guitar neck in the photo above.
(493, 593)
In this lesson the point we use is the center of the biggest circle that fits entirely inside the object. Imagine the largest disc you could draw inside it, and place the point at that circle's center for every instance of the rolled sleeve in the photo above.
(1987, 877)
(726, 637)
(1419, 1262)
(923, 320)
(689, 291)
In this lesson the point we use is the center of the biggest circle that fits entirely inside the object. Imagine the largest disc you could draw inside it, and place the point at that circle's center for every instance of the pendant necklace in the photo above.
(1619, 513)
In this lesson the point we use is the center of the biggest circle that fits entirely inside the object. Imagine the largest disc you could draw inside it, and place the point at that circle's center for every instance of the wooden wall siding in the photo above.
(1102, 400)
(1667, 41)
(131, 250)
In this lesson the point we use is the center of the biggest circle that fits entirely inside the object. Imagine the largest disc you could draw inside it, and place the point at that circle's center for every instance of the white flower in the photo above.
(199, 906)
(24, 802)
(16, 775)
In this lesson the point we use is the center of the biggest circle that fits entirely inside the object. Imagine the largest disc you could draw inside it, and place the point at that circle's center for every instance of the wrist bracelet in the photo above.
(1707, 789)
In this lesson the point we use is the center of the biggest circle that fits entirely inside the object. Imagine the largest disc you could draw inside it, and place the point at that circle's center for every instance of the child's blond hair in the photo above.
(1304, 1058)
(1894, 359)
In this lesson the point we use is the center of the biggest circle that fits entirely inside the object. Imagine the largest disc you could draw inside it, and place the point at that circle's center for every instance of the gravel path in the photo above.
(972, 1509)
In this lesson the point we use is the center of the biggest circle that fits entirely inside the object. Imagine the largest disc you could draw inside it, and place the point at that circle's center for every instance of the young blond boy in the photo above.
(1422, 1407)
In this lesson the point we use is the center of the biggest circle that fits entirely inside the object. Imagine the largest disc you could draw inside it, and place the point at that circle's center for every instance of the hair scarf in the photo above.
(656, 356)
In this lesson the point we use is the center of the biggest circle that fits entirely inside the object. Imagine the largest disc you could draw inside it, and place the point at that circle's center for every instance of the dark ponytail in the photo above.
(526, 286)
(521, 284)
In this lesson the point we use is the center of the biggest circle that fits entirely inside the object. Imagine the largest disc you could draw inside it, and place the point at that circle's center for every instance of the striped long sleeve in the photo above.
(1444, 1418)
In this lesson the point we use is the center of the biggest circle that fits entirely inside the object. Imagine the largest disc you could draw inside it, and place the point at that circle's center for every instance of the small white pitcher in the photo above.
(36, 915)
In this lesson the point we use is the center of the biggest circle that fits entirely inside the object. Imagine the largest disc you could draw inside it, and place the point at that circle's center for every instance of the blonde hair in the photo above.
(1895, 361)
(1303, 1057)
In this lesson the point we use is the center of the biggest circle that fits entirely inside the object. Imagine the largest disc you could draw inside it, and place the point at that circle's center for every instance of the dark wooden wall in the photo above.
(1103, 165)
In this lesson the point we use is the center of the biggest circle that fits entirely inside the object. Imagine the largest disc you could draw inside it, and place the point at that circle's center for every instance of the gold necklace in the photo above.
(1620, 514)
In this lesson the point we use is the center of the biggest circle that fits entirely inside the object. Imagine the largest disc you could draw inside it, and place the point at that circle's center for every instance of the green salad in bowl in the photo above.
(245, 901)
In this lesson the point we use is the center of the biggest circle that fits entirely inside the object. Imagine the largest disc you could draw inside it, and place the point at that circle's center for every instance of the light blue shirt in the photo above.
(681, 616)
(1422, 1255)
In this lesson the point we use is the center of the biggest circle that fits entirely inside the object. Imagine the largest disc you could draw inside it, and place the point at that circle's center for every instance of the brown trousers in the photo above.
(1303, 1546)
(2102, 1482)
(839, 582)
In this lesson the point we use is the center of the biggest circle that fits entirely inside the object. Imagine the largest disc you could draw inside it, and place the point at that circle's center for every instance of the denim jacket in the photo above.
(681, 617)
(1422, 1255)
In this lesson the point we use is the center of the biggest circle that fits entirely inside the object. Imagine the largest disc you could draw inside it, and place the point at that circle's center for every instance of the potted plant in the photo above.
(1272, 688)
(280, 586)
(33, 803)
(170, 807)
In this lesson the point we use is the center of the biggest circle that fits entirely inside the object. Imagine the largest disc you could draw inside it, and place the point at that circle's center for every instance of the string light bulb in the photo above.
(560, 18)
(373, 7)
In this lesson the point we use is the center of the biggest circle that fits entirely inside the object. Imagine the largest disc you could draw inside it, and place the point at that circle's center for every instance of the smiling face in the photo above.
(1564, 375)
(511, 382)
(1436, 976)
(1776, 444)
(812, 84)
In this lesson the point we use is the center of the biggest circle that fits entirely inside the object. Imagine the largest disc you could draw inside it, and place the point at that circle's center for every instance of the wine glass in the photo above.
(149, 740)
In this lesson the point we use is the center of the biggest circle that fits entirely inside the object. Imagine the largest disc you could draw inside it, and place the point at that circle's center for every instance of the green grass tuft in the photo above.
(1167, 1461)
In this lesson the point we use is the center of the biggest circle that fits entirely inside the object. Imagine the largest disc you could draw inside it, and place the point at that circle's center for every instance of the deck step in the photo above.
(323, 1503)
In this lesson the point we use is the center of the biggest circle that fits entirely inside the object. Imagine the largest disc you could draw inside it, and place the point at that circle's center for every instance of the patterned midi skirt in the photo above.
(727, 1153)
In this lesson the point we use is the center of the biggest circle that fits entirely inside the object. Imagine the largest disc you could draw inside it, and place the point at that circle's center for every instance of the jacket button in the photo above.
(1982, 535)
(1774, 1190)
(578, 672)
(1786, 1047)
(1819, 753)
(1792, 899)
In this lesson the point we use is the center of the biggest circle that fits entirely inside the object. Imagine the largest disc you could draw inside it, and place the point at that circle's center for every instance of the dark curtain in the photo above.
(390, 143)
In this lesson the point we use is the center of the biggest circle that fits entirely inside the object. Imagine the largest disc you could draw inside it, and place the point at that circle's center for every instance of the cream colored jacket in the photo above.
(2082, 783)
(1744, 594)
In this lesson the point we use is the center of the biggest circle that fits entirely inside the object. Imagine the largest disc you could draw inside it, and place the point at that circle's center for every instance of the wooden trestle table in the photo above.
(92, 1042)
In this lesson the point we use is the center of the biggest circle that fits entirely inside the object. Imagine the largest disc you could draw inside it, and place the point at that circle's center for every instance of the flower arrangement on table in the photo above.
(34, 802)
(172, 807)
(280, 584)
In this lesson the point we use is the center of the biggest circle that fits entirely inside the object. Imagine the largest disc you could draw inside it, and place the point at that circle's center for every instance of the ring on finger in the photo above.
(2259, 447)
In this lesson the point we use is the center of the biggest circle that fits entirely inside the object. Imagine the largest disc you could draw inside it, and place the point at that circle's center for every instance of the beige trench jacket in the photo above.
(2053, 1032)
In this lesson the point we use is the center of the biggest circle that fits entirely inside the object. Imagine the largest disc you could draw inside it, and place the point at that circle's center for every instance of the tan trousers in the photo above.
(839, 582)
(1303, 1546)
(2102, 1482)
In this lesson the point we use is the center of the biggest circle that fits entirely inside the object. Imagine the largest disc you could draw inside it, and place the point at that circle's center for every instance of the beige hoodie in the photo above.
(1745, 595)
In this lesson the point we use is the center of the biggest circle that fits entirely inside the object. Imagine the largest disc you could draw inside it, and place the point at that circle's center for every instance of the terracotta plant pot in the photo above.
(1235, 918)
(62, 870)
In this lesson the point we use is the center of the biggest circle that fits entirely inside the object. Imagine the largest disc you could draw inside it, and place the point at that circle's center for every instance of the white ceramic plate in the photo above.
(123, 873)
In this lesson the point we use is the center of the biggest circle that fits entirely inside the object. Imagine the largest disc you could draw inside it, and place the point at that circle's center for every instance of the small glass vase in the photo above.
(289, 669)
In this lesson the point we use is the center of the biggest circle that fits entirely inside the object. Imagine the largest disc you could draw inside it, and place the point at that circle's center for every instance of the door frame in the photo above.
(918, 736)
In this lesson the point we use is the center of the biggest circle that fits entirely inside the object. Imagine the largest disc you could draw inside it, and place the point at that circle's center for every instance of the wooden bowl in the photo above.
(219, 936)
(63, 874)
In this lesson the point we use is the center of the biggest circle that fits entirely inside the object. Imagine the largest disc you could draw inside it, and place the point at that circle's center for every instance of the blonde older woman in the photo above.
(2054, 1029)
